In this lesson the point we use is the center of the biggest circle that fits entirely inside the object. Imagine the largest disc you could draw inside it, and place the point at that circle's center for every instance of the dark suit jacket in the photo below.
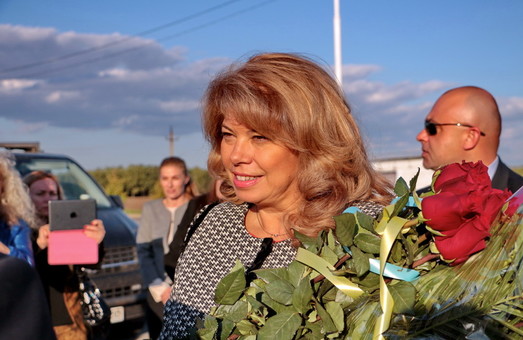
(504, 178)
(24, 314)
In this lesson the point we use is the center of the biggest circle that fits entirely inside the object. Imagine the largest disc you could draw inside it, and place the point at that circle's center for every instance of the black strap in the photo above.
(196, 224)
(263, 253)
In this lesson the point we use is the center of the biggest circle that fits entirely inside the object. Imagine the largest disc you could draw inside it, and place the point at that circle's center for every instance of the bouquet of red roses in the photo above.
(461, 214)
(447, 265)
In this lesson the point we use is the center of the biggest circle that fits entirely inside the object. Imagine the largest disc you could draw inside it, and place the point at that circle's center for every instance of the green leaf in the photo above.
(396, 253)
(345, 228)
(399, 205)
(226, 330)
(413, 181)
(295, 272)
(272, 274)
(280, 291)
(210, 328)
(230, 288)
(404, 295)
(255, 304)
(331, 240)
(329, 255)
(368, 243)
(369, 280)
(237, 311)
(307, 241)
(336, 314)
(401, 188)
(280, 326)
(301, 296)
(365, 221)
(246, 328)
(360, 261)
(358, 321)
(275, 306)
(315, 329)
(328, 324)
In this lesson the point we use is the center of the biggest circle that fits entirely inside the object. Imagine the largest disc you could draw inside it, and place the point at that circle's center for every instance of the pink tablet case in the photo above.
(67, 242)
(71, 247)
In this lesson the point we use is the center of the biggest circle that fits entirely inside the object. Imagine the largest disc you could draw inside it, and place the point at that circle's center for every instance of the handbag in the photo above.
(95, 310)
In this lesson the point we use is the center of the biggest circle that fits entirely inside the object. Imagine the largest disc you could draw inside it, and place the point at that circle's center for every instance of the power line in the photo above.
(114, 43)
(115, 54)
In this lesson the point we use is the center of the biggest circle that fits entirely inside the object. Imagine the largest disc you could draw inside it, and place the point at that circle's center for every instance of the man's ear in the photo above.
(471, 138)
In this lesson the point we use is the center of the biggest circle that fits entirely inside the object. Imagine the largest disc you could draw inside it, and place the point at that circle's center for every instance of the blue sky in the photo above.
(113, 106)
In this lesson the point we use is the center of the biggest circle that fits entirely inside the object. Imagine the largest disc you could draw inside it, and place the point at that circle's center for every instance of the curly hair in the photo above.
(15, 203)
(294, 102)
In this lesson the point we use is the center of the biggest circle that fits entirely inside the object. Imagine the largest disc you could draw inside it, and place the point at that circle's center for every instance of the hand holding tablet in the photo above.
(74, 232)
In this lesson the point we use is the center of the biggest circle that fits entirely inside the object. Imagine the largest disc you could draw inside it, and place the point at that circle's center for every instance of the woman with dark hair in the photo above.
(60, 281)
(291, 156)
(163, 224)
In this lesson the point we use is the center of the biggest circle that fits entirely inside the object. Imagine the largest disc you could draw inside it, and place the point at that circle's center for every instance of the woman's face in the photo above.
(261, 171)
(173, 181)
(41, 192)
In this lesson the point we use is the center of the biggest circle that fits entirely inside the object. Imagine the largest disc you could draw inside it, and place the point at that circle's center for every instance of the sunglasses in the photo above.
(431, 129)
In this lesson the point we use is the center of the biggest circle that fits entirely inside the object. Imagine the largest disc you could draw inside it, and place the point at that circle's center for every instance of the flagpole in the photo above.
(337, 43)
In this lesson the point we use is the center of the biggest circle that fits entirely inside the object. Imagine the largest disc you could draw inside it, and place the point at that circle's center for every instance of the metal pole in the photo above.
(337, 43)
(171, 141)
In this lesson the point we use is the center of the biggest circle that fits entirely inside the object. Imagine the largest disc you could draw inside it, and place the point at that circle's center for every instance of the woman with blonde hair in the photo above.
(291, 156)
(163, 224)
(16, 212)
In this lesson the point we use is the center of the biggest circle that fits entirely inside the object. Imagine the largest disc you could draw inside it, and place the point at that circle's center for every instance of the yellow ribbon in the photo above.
(325, 268)
(389, 230)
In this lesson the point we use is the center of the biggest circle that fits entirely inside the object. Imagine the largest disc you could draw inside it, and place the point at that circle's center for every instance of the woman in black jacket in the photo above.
(60, 281)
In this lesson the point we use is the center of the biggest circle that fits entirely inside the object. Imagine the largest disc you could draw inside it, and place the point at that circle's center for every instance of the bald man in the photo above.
(465, 125)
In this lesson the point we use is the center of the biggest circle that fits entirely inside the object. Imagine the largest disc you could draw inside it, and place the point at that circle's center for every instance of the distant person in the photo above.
(162, 229)
(465, 125)
(60, 282)
(24, 314)
(16, 212)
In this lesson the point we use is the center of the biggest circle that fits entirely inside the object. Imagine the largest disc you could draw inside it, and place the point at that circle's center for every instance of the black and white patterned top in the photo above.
(217, 243)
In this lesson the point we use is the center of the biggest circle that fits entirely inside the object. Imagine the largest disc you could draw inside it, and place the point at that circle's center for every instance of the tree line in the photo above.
(142, 180)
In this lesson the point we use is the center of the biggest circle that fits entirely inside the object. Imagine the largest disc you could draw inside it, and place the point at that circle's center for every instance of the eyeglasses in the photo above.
(430, 127)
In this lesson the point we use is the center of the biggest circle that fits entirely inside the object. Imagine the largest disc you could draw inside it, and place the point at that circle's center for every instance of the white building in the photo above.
(394, 168)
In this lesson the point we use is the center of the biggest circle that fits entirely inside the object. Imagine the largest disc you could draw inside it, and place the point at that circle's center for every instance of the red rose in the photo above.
(462, 177)
(462, 210)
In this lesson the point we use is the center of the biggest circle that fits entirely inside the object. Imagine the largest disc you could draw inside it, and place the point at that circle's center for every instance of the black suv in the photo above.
(119, 279)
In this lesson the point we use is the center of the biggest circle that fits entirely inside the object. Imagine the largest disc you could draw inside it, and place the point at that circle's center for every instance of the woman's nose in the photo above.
(241, 152)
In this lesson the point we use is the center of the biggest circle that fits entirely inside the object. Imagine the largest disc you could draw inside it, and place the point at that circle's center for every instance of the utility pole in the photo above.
(337, 42)
(171, 141)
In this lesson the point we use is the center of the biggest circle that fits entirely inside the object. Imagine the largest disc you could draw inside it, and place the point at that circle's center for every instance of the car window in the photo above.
(76, 184)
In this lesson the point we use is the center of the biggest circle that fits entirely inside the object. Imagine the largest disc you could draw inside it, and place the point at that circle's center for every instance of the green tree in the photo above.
(201, 179)
(142, 180)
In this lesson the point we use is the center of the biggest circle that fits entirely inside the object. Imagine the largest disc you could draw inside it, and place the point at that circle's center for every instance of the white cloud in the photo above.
(10, 85)
(179, 105)
(61, 96)
(150, 88)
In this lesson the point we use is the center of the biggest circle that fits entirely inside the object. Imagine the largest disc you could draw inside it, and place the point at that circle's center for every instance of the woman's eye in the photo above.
(260, 138)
